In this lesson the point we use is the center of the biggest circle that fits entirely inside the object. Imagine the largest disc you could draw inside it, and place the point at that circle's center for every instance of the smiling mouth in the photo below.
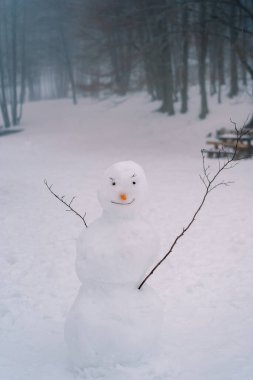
(123, 204)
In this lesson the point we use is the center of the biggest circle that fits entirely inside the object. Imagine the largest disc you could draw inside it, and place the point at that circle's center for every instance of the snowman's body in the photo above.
(111, 320)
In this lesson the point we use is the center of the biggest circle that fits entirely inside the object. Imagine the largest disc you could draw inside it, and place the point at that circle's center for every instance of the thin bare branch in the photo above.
(210, 185)
(61, 199)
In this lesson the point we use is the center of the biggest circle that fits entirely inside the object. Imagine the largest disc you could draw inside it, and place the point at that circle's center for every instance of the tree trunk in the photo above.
(3, 97)
(14, 98)
(3, 100)
(23, 64)
(220, 66)
(66, 54)
(213, 65)
(202, 52)
(146, 41)
(185, 54)
(165, 66)
(233, 58)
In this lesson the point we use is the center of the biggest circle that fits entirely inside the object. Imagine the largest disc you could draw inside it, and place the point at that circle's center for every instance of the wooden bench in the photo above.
(220, 151)
(225, 144)
(229, 144)
(232, 144)
(217, 144)
(217, 153)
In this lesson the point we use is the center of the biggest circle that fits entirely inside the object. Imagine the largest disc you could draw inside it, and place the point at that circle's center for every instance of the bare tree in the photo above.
(66, 47)
(202, 41)
(233, 57)
(185, 56)
(210, 183)
(12, 60)
(52, 48)
(3, 95)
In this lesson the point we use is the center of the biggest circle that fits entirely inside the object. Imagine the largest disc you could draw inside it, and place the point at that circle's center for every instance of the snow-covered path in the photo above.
(207, 282)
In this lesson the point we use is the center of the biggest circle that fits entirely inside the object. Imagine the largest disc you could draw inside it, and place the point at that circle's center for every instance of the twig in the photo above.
(209, 184)
(61, 199)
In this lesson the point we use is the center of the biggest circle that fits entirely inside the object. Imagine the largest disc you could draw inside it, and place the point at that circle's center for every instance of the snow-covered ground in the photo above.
(207, 282)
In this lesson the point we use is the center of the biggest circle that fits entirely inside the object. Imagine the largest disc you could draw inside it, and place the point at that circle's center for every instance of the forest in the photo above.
(54, 49)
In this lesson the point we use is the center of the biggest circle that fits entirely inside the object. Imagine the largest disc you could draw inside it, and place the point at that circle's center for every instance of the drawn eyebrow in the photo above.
(134, 175)
(112, 179)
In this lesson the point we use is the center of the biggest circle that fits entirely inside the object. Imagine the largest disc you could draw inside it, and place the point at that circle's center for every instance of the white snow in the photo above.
(123, 184)
(109, 325)
(120, 246)
(206, 284)
(111, 320)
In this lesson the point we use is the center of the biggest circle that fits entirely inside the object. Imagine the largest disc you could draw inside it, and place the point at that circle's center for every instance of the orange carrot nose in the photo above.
(123, 197)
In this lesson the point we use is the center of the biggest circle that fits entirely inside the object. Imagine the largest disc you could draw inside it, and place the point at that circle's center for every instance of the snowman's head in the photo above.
(123, 189)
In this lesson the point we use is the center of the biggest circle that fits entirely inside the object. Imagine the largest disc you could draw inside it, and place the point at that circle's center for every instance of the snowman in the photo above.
(112, 322)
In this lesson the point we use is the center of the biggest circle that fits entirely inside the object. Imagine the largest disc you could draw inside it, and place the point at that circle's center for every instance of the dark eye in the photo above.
(134, 183)
(113, 183)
